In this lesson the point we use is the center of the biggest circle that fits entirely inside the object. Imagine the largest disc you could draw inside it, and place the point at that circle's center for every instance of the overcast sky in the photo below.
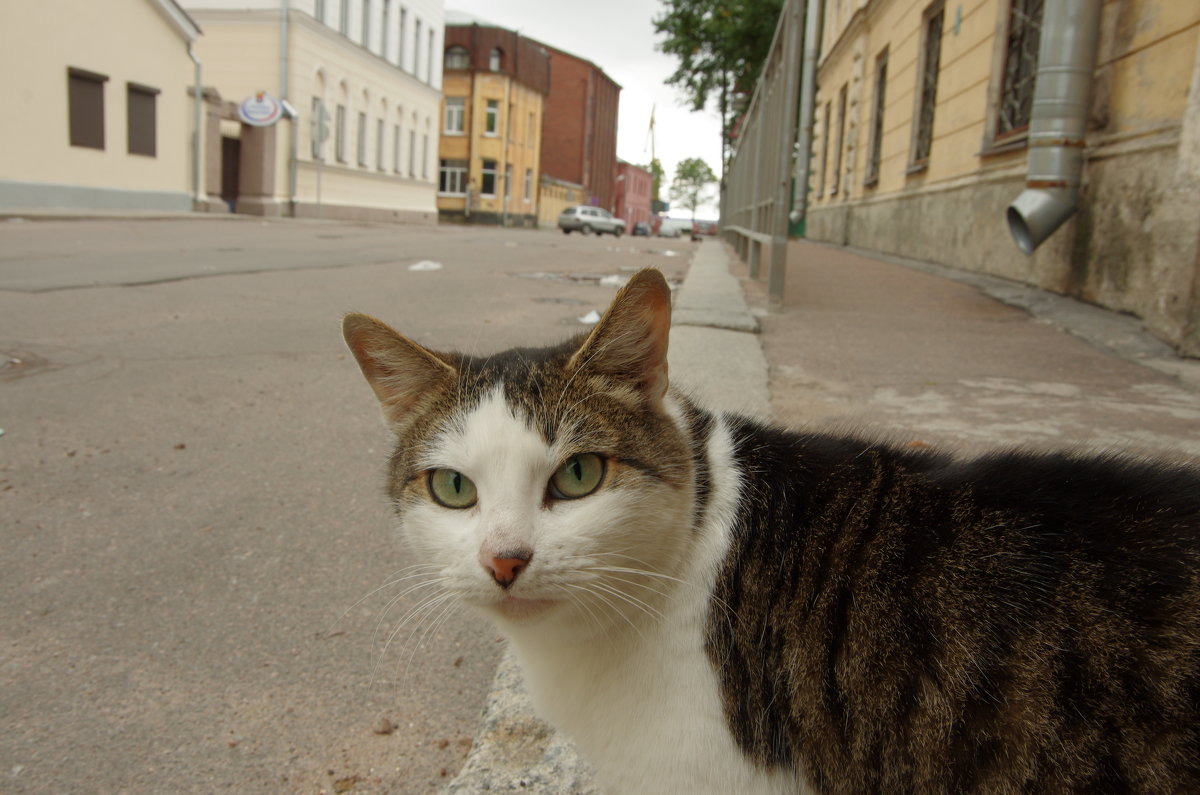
(618, 36)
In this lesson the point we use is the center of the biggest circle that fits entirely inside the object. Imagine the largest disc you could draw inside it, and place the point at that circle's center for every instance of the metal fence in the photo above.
(757, 196)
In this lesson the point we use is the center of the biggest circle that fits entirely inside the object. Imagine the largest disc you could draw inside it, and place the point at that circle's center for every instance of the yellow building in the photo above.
(90, 123)
(923, 131)
(495, 83)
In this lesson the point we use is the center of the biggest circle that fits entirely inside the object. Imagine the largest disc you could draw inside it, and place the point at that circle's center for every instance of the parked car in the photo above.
(674, 227)
(590, 219)
(641, 229)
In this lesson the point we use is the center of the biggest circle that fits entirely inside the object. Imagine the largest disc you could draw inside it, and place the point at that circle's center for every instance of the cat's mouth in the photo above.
(514, 607)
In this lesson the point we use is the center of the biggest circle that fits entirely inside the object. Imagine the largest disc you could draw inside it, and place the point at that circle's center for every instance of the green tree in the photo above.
(721, 46)
(692, 177)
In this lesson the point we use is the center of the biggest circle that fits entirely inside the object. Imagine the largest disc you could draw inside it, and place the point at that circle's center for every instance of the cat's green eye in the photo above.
(579, 477)
(452, 489)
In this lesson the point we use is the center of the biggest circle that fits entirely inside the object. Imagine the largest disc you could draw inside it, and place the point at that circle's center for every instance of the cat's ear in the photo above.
(399, 370)
(629, 344)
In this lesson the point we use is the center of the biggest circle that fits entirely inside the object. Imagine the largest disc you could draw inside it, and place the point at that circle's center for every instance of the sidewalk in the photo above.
(910, 351)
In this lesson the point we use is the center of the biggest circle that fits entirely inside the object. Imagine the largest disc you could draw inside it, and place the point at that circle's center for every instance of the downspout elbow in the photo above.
(1037, 212)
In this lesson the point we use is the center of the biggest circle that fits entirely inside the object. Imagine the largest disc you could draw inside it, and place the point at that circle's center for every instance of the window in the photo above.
(452, 177)
(379, 139)
(417, 49)
(874, 156)
(400, 43)
(457, 57)
(495, 60)
(840, 141)
(1020, 66)
(362, 138)
(339, 146)
(140, 118)
(492, 123)
(344, 19)
(529, 129)
(824, 147)
(528, 185)
(927, 88)
(396, 161)
(429, 59)
(456, 111)
(85, 98)
(318, 146)
(425, 155)
(319, 10)
(366, 23)
(488, 186)
(385, 29)
(412, 153)
(507, 181)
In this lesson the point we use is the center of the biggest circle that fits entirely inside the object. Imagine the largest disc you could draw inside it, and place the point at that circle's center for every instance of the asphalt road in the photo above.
(198, 579)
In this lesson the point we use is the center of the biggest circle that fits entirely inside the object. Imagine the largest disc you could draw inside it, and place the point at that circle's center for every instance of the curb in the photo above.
(718, 362)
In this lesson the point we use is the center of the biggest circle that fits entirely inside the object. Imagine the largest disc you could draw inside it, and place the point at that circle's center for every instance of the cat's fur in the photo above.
(740, 608)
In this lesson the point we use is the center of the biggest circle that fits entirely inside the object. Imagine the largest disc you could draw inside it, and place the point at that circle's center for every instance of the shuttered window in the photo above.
(85, 97)
(141, 119)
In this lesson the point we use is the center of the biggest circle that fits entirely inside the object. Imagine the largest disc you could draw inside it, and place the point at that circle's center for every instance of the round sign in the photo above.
(260, 110)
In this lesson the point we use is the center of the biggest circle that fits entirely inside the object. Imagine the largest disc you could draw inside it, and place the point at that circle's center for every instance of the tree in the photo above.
(721, 46)
(692, 176)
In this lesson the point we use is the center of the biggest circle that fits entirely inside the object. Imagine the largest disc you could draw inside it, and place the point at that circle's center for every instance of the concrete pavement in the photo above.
(917, 352)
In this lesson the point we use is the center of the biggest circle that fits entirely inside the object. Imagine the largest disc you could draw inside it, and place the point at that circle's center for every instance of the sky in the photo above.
(618, 36)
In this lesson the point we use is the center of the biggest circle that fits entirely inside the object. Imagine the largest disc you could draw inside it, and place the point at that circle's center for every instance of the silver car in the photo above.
(587, 219)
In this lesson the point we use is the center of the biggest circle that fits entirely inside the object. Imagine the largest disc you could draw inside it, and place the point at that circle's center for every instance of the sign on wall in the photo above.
(260, 110)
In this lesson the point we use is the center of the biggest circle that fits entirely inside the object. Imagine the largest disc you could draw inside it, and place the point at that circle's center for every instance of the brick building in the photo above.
(634, 186)
(579, 130)
(495, 84)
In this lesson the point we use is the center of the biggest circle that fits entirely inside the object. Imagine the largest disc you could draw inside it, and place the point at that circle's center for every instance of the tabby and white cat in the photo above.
(707, 604)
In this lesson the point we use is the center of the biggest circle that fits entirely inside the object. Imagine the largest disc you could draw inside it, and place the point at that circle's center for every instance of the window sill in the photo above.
(916, 168)
(442, 195)
(1006, 146)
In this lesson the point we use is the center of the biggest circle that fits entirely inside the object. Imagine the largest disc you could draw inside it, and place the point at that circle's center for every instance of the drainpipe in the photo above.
(197, 123)
(1058, 121)
(293, 117)
(808, 101)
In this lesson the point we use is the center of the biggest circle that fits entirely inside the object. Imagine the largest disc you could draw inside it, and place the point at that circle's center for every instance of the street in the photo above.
(200, 586)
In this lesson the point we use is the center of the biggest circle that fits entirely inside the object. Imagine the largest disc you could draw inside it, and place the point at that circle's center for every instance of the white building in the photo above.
(92, 120)
(374, 66)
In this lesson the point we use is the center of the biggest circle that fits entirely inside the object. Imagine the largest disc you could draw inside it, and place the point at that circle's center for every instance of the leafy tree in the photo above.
(692, 176)
(656, 174)
(721, 46)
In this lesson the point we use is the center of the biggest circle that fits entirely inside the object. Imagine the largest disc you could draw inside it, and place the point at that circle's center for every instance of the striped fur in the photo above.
(740, 608)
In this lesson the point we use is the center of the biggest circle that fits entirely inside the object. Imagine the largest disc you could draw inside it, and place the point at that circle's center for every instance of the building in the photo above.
(491, 129)
(579, 134)
(634, 187)
(554, 196)
(924, 115)
(371, 69)
(91, 123)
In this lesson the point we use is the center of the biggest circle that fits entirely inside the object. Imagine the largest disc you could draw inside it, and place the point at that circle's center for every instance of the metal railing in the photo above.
(757, 197)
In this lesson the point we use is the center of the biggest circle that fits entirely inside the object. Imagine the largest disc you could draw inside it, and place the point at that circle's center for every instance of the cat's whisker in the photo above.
(418, 613)
(449, 608)
(612, 608)
(392, 579)
(399, 597)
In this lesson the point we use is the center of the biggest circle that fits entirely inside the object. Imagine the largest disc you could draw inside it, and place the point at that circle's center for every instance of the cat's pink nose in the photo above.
(505, 570)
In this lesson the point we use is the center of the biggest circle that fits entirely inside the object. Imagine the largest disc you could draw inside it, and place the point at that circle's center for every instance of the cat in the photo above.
(708, 604)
